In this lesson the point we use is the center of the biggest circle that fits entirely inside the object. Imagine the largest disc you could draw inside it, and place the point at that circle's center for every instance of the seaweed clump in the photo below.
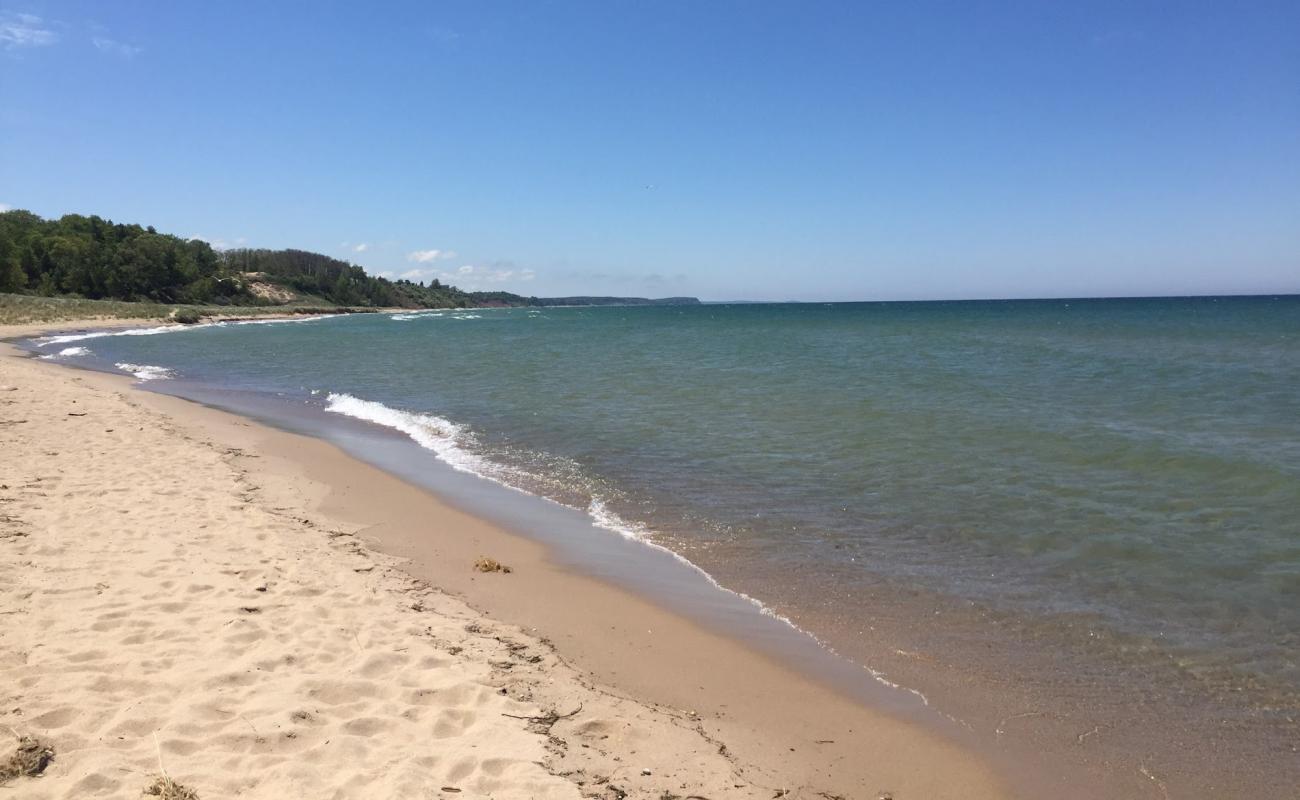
(29, 759)
(491, 565)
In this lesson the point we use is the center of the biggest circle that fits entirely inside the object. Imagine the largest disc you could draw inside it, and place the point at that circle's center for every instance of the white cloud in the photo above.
(360, 248)
(5, 207)
(473, 278)
(115, 48)
(425, 256)
(24, 30)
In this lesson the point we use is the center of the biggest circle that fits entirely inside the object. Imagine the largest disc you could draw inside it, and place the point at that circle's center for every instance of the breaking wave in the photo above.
(65, 338)
(69, 352)
(145, 372)
(448, 441)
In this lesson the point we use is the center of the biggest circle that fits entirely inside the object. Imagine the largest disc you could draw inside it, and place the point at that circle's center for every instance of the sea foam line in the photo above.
(65, 338)
(429, 431)
(145, 372)
(69, 352)
(439, 435)
(80, 337)
(407, 317)
(276, 321)
(604, 518)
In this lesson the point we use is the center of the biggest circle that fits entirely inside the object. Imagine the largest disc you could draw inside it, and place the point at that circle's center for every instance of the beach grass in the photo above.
(168, 789)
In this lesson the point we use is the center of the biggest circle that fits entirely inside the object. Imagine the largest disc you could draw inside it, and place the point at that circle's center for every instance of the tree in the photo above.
(12, 277)
(97, 258)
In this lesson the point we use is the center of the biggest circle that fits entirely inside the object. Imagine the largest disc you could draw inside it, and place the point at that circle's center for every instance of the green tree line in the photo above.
(95, 258)
(98, 259)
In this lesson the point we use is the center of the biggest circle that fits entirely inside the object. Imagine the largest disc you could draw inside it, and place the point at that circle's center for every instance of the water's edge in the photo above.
(580, 539)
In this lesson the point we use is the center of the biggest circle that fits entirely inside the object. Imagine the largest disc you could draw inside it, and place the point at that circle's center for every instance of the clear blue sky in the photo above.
(792, 150)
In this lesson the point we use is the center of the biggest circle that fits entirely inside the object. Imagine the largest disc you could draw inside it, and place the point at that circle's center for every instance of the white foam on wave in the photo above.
(429, 431)
(413, 315)
(69, 352)
(145, 372)
(79, 337)
(441, 436)
(277, 321)
(604, 518)
(65, 338)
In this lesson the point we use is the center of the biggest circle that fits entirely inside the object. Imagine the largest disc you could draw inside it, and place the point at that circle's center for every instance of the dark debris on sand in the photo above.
(29, 759)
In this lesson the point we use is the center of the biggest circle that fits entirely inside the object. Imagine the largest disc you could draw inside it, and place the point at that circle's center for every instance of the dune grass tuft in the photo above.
(166, 788)
(30, 758)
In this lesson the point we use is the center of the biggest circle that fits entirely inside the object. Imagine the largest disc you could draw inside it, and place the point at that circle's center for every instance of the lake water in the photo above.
(1131, 463)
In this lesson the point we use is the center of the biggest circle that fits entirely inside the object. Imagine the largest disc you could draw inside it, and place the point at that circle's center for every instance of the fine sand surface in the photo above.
(261, 616)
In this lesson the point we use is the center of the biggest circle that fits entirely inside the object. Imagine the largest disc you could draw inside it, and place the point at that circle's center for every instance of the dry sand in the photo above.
(255, 614)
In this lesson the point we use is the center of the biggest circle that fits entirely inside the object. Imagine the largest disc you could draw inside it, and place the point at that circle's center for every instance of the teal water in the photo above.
(1133, 461)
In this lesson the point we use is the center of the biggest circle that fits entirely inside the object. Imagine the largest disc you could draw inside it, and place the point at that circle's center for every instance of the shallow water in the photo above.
(1134, 463)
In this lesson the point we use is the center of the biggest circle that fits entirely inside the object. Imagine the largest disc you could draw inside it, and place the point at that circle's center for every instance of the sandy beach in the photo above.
(255, 614)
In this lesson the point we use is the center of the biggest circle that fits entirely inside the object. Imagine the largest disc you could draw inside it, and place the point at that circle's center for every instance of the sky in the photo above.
(726, 150)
